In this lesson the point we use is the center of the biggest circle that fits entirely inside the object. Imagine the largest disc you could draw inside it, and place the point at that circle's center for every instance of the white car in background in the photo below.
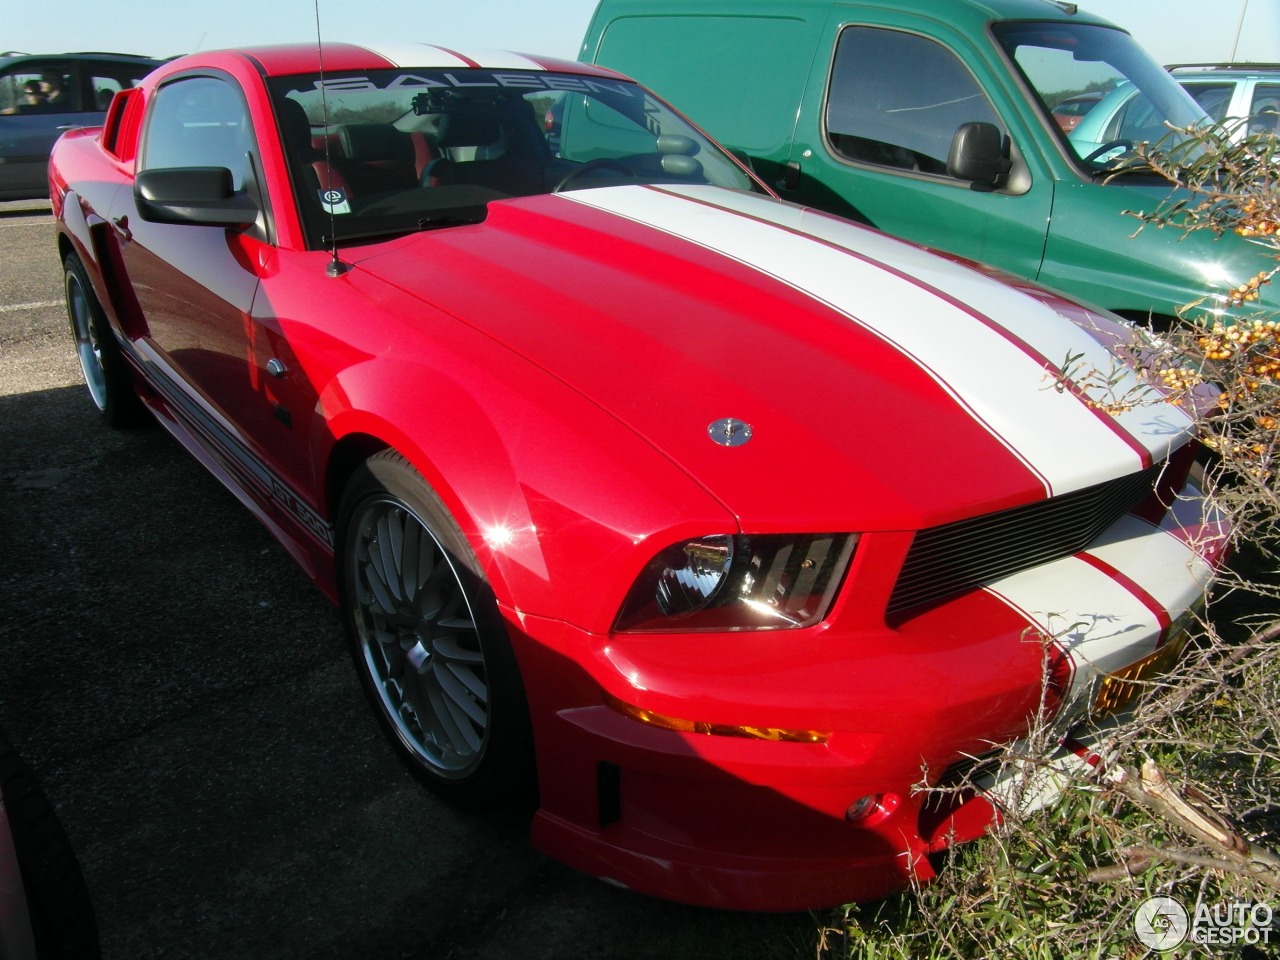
(1246, 94)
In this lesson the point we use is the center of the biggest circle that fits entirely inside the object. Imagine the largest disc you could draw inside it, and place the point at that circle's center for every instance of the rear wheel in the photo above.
(428, 641)
(104, 369)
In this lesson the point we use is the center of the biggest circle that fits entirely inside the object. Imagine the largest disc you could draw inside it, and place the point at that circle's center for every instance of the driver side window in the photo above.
(896, 100)
(37, 87)
(198, 122)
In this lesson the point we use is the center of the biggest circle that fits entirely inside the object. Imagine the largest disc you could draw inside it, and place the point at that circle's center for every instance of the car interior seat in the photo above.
(492, 144)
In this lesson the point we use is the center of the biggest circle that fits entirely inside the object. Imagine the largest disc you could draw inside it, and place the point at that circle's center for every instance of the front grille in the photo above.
(959, 556)
(969, 769)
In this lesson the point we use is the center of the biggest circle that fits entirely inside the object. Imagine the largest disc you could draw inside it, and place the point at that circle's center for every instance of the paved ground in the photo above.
(184, 692)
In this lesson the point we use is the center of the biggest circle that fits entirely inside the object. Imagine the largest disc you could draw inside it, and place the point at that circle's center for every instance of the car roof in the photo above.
(12, 57)
(282, 60)
(1224, 69)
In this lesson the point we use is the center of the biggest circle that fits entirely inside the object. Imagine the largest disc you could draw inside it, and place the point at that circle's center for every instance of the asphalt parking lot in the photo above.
(185, 695)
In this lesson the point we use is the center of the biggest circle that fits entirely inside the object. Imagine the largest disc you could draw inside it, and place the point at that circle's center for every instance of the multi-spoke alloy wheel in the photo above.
(427, 639)
(88, 350)
(100, 361)
(418, 638)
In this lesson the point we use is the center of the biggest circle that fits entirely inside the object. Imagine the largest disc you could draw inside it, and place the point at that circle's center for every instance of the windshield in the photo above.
(399, 150)
(1125, 96)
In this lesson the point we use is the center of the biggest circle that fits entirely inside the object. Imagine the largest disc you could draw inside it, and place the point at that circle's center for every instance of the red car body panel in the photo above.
(551, 372)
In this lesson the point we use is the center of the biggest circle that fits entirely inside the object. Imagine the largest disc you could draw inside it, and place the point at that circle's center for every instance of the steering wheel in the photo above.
(1107, 148)
(600, 163)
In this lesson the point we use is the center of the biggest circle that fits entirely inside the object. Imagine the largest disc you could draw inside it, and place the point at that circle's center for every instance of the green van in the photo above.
(934, 120)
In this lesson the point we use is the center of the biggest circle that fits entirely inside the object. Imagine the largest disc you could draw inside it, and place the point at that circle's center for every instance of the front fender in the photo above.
(561, 503)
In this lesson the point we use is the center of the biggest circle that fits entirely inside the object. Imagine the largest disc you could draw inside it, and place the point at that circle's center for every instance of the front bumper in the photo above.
(752, 824)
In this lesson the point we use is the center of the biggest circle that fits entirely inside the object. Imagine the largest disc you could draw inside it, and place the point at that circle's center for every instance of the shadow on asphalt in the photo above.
(187, 697)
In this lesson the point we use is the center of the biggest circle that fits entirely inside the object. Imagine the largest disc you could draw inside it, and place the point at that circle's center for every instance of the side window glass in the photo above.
(107, 80)
(197, 122)
(590, 129)
(104, 88)
(1265, 109)
(38, 88)
(1137, 121)
(896, 100)
(1213, 98)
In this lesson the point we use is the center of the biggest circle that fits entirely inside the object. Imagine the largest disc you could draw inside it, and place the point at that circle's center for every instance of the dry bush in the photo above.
(1187, 802)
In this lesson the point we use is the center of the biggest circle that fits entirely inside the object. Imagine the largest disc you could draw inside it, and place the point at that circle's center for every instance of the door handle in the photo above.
(121, 227)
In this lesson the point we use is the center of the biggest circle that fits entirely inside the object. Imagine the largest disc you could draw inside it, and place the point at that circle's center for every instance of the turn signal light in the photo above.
(776, 734)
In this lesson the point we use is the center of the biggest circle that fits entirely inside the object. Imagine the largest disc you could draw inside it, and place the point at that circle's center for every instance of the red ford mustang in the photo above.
(723, 523)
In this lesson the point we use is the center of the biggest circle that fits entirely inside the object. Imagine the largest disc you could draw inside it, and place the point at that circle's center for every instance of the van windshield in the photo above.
(1101, 90)
(400, 150)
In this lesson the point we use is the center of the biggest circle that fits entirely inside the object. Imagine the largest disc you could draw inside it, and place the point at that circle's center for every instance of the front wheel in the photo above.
(428, 641)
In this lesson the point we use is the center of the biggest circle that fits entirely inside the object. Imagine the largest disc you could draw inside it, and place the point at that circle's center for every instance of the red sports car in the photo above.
(721, 522)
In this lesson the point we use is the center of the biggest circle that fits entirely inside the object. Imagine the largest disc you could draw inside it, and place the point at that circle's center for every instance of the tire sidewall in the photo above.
(506, 771)
(121, 406)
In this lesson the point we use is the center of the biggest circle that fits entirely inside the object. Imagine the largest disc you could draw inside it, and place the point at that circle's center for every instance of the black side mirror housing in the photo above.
(203, 196)
(978, 154)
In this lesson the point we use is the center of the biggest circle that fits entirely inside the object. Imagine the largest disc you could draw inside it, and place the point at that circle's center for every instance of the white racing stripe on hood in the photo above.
(992, 376)
(408, 54)
(1154, 424)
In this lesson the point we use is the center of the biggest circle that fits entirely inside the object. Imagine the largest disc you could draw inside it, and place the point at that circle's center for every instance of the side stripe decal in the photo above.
(224, 444)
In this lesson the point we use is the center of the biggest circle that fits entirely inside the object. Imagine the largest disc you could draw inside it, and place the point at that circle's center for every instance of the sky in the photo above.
(1174, 31)
(162, 28)
(1198, 31)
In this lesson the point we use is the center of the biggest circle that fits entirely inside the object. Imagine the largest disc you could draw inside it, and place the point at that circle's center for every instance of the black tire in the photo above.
(428, 641)
(104, 369)
(58, 903)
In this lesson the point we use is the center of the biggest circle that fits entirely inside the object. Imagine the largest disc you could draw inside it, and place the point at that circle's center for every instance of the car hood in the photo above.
(883, 386)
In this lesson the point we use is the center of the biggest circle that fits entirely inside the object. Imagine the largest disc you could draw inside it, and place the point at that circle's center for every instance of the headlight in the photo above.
(723, 582)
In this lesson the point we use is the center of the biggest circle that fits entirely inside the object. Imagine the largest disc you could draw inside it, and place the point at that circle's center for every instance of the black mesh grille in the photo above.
(958, 556)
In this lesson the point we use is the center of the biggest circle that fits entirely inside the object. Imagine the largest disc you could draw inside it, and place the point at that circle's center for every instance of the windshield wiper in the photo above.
(1127, 167)
(445, 218)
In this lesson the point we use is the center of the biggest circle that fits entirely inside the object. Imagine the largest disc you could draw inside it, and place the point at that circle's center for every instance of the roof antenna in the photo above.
(336, 266)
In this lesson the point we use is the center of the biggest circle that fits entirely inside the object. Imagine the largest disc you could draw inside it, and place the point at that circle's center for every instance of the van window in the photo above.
(896, 100)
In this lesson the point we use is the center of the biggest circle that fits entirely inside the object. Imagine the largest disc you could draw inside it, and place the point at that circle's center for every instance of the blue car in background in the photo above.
(43, 95)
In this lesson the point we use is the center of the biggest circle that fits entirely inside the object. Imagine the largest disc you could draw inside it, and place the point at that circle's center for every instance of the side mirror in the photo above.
(978, 154)
(203, 196)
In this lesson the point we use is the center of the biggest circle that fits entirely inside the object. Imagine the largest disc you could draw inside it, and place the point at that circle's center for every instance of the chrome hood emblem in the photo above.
(729, 432)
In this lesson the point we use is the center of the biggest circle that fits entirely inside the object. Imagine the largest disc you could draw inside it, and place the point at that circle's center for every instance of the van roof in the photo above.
(951, 10)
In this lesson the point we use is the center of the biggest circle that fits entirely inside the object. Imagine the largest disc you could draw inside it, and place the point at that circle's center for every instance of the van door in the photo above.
(877, 128)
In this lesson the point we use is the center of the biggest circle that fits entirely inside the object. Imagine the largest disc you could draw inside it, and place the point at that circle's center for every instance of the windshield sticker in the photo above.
(470, 79)
(335, 201)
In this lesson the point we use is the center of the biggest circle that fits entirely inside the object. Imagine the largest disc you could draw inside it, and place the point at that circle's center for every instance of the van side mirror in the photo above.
(978, 154)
